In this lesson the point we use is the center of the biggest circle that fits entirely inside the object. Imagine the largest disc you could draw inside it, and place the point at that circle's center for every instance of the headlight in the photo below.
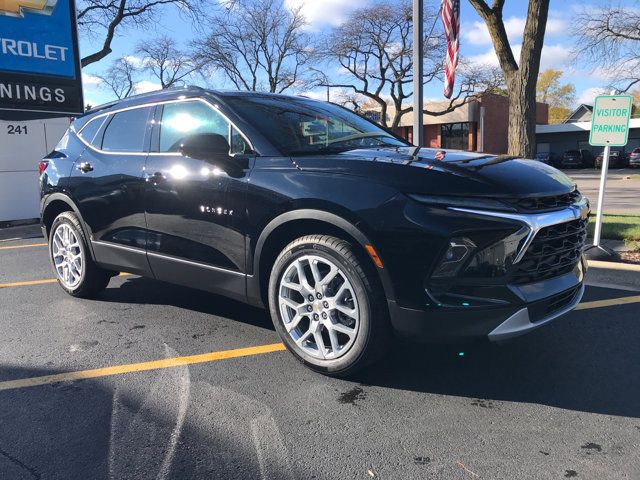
(454, 258)
(495, 260)
(462, 202)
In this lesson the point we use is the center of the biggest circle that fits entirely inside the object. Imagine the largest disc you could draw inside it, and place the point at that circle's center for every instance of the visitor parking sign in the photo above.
(610, 122)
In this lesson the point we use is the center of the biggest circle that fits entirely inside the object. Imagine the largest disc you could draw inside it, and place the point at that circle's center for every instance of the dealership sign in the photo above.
(39, 59)
(610, 121)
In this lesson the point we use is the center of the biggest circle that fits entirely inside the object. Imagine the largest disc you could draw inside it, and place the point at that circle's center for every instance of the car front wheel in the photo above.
(328, 306)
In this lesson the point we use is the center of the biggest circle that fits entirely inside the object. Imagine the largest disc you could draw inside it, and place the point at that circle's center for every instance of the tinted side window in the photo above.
(88, 133)
(182, 119)
(126, 130)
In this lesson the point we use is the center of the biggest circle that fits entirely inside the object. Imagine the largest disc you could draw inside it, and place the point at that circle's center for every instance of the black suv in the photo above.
(347, 233)
(577, 159)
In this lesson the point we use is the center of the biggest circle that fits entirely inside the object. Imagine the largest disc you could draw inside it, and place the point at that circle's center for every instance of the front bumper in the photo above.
(521, 322)
(537, 304)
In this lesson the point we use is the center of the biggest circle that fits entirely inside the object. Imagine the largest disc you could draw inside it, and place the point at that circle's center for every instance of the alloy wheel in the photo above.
(67, 255)
(319, 307)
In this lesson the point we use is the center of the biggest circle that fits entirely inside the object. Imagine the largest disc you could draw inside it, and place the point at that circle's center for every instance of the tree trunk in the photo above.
(521, 78)
(522, 117)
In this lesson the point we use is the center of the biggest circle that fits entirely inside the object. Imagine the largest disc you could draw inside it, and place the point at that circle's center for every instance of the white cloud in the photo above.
(145, 86)
(588, 95)
(137, 62)
(325, 12)
(477, 33)
(553, 56)
(89, 81)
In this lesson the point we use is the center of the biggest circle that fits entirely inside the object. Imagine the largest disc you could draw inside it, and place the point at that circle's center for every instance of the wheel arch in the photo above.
(54, 205)
(296, 223)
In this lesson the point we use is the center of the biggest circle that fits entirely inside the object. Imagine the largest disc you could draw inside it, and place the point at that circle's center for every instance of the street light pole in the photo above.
(418, 94)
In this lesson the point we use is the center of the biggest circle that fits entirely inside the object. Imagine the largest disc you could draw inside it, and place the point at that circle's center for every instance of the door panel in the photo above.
(108, 186)
(190, 205)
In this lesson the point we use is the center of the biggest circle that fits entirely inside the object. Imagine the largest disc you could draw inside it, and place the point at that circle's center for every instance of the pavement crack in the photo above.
(34, 473)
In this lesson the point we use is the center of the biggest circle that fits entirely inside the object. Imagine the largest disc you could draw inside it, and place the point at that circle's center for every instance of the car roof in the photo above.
(182, 92)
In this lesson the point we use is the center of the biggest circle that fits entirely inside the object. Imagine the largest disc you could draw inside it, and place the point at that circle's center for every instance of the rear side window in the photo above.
(88, 133)
(126, 131)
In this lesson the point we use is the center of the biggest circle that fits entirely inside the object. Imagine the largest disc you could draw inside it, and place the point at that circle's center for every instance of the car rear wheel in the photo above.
(75, 270)
(328, 306)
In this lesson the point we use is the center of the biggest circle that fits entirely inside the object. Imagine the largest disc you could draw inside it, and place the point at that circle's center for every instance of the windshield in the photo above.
(299, 126)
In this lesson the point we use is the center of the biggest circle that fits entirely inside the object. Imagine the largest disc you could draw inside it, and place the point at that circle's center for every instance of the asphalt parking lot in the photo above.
(621, 194)
(118, 388)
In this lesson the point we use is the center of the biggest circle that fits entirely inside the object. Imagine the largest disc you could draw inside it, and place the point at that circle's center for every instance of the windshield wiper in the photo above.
(358, 136)
(321, 150)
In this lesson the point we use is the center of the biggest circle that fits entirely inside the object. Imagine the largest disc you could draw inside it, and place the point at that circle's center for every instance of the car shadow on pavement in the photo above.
(587, 361)
(583, 363)
(145, 291)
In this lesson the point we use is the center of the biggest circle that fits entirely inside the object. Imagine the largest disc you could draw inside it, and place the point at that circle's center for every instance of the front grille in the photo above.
(542, 204)
(554, 251)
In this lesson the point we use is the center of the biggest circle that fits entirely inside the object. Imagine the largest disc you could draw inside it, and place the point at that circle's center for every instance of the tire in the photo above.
(84, 279)
(351, 340)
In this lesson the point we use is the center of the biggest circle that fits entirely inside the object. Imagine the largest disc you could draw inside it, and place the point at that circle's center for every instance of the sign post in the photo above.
(39, 57)
(609, 128)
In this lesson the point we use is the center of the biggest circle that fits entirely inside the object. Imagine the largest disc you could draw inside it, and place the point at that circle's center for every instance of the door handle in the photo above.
(85, 167)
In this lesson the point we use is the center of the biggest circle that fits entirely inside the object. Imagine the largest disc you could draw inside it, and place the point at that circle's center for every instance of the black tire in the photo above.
(373, 336)
(93, 279)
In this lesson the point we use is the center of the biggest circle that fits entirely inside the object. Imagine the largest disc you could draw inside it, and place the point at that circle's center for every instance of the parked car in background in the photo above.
(634, 158)
(550, 158)
(577, 159)
(617, 159)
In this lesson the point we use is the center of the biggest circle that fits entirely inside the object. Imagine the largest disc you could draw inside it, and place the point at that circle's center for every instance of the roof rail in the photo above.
(104, 106)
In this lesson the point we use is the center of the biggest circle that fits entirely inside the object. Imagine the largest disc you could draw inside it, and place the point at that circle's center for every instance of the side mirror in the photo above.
(213, 148)
(204, 146)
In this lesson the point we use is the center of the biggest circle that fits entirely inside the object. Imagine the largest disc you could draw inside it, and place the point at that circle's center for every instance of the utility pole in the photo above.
(418, 55)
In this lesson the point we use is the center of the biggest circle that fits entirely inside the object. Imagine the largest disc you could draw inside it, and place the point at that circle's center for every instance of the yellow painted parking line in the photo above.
(30, 282)
(14, 247)
(609, 302)
(141, 367)
(42, 282)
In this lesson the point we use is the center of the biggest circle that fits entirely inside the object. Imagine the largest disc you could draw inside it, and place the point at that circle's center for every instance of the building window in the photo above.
(455, 136)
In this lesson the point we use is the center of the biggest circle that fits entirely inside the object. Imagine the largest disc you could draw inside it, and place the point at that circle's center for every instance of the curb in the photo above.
(623, 276)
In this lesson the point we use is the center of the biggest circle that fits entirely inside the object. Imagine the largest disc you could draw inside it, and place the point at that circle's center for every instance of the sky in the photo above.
(321, 15)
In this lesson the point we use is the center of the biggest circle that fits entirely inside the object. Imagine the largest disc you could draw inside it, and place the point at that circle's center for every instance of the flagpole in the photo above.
(418, 69)
(418, 72)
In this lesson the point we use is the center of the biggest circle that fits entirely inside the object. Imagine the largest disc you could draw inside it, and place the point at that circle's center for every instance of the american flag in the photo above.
(450, 13)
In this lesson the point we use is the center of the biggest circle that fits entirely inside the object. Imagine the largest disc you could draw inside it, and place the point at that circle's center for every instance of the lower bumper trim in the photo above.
(519, 323)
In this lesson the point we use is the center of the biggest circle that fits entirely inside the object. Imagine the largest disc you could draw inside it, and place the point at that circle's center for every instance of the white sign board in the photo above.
(610, 121)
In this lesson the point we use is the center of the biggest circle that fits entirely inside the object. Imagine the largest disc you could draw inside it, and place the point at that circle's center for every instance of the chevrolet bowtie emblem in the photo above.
(16, 8)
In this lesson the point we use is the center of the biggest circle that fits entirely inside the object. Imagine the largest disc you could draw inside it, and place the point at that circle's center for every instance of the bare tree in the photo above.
(120, 77)
(374, 48)
(609, 37)
(165, 61)
(103, 19)
(257, 44)
(520, 77)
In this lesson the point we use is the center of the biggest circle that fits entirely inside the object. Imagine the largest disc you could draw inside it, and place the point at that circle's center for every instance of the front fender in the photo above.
(336, 221)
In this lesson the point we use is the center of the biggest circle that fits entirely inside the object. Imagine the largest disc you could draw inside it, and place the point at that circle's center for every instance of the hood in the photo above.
(456, 173)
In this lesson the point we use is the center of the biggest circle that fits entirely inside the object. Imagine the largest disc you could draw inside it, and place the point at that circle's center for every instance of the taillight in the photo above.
(42, 166)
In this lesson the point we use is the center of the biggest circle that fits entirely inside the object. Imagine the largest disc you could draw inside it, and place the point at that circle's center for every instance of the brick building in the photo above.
(479, 126)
